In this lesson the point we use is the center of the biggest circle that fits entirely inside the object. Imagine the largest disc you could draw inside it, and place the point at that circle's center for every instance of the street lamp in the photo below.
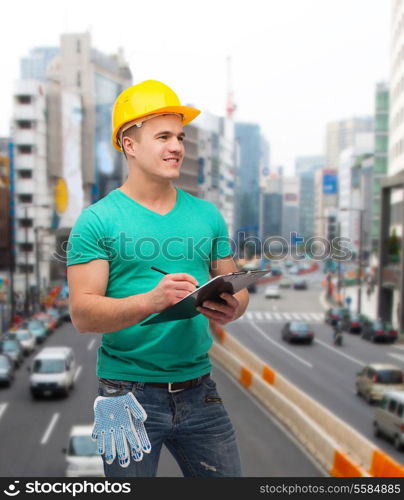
(360, 256)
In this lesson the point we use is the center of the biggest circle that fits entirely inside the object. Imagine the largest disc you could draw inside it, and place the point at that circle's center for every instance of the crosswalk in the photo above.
(310, 317)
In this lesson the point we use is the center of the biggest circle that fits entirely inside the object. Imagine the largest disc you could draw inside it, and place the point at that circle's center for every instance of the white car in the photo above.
(272, 292)
(81, 454)
(53, 370)
(26, 339)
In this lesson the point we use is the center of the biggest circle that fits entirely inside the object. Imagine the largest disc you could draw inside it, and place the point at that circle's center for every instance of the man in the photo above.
(155, 386)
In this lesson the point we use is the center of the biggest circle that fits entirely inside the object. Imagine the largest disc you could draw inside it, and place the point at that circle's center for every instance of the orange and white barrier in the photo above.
(339, 448)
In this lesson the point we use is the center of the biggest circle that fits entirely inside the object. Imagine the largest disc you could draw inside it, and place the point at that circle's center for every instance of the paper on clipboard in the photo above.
(186, 308)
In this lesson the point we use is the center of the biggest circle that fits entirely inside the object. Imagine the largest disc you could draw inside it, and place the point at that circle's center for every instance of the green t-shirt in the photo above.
(132, 238)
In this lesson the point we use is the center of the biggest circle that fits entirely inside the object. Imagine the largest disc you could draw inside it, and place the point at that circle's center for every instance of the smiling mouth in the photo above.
(172, 161)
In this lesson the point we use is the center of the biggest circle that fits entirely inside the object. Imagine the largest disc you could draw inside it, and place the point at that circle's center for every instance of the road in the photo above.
(323, 371)
(35, 432)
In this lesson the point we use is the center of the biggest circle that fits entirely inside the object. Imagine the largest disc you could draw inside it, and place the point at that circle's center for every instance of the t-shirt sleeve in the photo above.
(87, 239)
(221, 247)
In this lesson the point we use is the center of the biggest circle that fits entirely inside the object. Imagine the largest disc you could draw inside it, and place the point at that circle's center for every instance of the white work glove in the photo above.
(118, 421)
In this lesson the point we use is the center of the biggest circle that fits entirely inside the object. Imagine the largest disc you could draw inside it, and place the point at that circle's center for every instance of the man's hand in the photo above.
(171, 289)
(221, 313)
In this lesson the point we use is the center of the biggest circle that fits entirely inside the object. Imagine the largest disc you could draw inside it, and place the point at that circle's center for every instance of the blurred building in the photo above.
(188, 179)
(351, 186)
(97, 79)
(305, 168)
(249, 146)
(380, 167)
(325, 203)
(391, 244)
(216, 163)
(35, 66)
(5, 229)
(272, 206)
(64, 159)
(33, 194)
(340, 135)
(290, 208)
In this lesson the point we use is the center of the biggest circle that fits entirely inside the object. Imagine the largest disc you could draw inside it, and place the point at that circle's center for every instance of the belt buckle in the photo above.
(173, 390)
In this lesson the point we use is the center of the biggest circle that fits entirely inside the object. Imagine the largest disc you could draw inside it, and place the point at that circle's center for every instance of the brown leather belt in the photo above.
(179, 386)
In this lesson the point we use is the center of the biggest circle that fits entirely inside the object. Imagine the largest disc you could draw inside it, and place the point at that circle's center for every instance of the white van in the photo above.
(81, 454)
(389, 418)
(52, 372)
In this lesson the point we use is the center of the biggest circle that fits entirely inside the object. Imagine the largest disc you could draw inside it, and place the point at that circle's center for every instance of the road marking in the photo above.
(398, 346)
(3, 408)
(396, 356)
(51, 425)
(361, 363)
(281, 346)
(91, 344)
(76, 375)
(279, 316)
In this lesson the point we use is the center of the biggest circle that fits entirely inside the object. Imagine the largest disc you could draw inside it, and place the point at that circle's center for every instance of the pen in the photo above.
(164, 272)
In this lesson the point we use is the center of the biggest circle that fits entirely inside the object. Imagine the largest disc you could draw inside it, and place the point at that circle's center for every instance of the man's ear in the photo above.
(128, 145)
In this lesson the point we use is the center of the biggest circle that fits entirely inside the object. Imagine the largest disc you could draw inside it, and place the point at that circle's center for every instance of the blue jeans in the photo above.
(193, 424)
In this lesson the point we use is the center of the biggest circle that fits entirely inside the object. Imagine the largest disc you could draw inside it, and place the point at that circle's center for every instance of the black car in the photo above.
(6, 370)
(335, 314)
(379, 331)
(297, 331)
(353, 322)
(12, 348)
(300, 284)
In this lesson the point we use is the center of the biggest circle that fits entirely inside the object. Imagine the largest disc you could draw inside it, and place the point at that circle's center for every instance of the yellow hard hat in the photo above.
(144, 99)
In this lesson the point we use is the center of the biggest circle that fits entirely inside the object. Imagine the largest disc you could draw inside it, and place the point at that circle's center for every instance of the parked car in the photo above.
(379, 331)
(27, 340)
(65, 313)
(6, 370)
(335, 314)
(55, 313)
(272, 292)
(52, 372)
(48, 320)
(297, 331)
(300, 284)
(285, 282)
(276, 271)
(375, 379)
(389, 418)
(81, 454)
(13, 349)
(353, 322)
(38, 330)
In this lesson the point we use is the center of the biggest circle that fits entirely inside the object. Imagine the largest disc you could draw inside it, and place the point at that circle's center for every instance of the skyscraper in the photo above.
(306, 167)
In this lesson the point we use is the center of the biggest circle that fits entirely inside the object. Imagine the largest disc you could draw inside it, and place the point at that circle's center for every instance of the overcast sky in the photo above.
(297, 64)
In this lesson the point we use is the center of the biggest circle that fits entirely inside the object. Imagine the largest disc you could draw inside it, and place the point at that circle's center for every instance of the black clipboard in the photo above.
(211, 290)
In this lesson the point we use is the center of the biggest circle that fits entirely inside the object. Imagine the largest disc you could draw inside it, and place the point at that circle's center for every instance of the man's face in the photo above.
(159, 147)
